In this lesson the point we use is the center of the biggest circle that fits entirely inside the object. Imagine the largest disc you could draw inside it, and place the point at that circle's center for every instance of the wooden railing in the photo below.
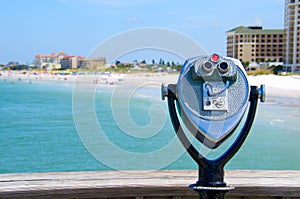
(145, 184)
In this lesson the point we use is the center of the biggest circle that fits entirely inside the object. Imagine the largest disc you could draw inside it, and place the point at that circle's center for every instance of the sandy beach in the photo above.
(276, 86)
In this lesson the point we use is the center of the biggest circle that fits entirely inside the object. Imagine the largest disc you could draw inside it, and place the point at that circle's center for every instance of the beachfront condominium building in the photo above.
(63, 61)
(255, 44)
(292, 37)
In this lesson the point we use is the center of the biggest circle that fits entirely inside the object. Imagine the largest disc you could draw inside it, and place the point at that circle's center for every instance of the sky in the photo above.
(30, 27)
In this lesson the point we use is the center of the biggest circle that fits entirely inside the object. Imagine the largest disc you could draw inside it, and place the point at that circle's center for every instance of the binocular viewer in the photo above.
(211, 97)
(212, 93)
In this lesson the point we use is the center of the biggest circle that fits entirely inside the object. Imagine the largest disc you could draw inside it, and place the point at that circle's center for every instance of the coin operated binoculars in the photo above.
(211, 96)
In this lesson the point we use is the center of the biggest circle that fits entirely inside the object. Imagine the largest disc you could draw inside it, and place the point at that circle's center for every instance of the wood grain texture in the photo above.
(144, 184)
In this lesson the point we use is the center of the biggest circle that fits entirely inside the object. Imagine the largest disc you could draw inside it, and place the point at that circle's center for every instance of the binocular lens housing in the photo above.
(223, 67)
(207, 67)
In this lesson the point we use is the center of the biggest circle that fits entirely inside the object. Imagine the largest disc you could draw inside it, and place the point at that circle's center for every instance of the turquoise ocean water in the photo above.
(38, 132)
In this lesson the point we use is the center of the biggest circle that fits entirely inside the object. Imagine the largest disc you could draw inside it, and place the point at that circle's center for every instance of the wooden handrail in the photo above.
(144, 184)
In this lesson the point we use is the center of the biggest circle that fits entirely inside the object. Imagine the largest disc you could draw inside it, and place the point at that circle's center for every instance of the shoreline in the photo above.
(276, 86)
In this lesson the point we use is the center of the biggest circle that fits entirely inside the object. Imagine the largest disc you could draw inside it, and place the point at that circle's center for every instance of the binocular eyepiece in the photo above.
(214, 68)
(223, 67)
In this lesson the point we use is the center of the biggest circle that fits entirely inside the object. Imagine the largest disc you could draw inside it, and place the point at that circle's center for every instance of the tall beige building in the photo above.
(291, 35)
(255, 44)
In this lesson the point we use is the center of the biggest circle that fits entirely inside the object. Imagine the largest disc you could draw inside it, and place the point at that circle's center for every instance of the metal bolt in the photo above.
(262, 93)
(164, 91)
(215, 90)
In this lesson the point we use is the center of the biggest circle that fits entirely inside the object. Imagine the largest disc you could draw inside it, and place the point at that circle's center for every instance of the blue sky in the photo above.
(30, 27)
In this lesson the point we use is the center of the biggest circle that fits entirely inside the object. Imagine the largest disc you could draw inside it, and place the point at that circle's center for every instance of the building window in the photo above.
(292, 1)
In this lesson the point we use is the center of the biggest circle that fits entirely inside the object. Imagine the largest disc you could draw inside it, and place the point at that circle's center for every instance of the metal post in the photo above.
(210, 184)
(212, 192)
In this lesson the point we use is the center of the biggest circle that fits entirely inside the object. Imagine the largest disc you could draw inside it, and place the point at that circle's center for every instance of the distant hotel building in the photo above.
(63, 61)
(254, 44)
(292, 37)
(94, 63)
(56, 61)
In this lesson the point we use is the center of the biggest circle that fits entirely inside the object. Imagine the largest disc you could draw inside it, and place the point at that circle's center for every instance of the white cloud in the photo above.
(117, 3)
(132, 20)
(112, 3)
(216, 24)
(255, 22)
